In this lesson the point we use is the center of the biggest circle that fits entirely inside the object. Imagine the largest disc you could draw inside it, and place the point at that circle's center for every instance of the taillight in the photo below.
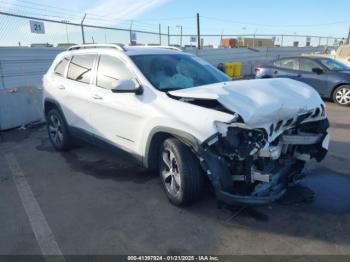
(258, 69)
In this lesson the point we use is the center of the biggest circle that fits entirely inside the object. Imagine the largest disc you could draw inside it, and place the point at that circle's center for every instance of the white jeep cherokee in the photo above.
(179, 115)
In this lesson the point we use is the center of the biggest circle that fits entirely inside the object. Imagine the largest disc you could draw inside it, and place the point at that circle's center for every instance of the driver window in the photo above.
(307, 65)
(111, 69)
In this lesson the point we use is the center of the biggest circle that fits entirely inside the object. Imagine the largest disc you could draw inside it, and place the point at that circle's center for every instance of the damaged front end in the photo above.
(255, 165)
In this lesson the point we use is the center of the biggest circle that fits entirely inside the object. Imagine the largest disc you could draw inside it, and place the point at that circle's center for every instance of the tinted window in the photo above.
(111, 69)
(177, 71)
(61, 66)
(80, 68)
(288, 63)
(307, 65)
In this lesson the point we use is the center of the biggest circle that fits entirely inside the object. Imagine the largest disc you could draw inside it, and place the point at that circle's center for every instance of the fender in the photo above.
(183, 136)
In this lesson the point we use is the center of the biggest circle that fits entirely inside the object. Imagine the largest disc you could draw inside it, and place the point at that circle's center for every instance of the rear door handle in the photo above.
(97, 97)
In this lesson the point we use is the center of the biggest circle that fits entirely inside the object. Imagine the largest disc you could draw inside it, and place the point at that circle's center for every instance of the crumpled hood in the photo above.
(258, 101)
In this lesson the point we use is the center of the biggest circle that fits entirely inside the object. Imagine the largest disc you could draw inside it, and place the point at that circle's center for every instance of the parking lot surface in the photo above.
(91, 201)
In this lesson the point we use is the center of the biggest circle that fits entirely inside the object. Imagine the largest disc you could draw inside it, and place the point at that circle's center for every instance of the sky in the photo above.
(298, 17)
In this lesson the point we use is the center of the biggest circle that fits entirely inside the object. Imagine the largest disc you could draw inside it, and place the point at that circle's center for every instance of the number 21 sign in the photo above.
(37, 27)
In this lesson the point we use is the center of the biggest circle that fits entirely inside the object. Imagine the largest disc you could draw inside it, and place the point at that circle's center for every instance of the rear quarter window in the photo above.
(80, 68)
(61, 66)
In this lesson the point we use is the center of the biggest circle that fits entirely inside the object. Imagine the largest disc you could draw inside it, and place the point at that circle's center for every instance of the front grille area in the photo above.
(282, 125)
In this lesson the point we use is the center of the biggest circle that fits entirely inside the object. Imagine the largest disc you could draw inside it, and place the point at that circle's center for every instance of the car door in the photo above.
(116, 117)
(286, 67)
(316, 80)
(77, 90)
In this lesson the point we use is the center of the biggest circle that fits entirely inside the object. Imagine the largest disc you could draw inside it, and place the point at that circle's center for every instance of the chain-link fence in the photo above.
(24, 30)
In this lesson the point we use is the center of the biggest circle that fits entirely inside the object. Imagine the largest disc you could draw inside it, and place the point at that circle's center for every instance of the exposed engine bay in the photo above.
(256, 165)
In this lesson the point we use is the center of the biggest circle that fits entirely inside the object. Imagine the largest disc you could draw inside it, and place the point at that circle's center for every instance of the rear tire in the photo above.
(341, 95)
(180, 173)
(58, 130)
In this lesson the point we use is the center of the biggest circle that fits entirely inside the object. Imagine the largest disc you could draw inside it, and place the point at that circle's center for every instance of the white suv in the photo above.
(177, 114)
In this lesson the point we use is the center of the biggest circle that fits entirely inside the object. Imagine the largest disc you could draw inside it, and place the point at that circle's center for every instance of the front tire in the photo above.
(180, 173)
(341, 95)
(57, 130)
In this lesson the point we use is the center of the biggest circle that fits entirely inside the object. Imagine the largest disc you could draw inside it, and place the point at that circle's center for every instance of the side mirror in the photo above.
(126, 86)
(317, 70)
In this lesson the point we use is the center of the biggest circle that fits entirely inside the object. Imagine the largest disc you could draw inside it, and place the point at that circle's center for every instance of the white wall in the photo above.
(21, 71)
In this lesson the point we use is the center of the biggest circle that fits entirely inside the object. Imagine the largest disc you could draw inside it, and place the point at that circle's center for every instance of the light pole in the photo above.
(254, 37)
(66, 22)
(180, 27)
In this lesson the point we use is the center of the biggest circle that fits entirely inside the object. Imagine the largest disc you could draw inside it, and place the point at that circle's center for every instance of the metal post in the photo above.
(319, 41)
(281, 40)
(160, 35)
(130, 33)
(348, 38)
(198, 32)
(66, 22)
(168, 35)
(82, 28)
(181, 36)
(67, 33)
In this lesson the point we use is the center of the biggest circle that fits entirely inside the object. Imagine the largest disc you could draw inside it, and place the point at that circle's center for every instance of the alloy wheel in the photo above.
(55, 130)
(343, 96)
(170, 172)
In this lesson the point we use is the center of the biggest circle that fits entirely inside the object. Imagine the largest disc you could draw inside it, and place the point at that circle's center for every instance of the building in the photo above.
(228, 42)
(255, 42)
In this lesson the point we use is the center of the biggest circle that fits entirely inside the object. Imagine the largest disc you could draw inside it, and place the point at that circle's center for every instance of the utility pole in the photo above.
(181, 36)
(66, 22)
(82, 28)
(160, 35)
(198, 32)
(130, 33)
(281, 40)
(180, 27)
(168, 35)
(348, 39)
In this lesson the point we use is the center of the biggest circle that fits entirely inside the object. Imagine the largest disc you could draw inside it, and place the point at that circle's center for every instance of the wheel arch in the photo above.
(51, 104)
(157, 137)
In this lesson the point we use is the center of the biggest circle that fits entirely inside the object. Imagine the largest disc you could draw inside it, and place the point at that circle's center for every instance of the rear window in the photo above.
(80, 68)
(61, 66)
(288, 63)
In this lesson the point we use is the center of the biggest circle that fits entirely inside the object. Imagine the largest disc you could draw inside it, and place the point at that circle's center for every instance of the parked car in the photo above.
(177, 114)
(329, 77)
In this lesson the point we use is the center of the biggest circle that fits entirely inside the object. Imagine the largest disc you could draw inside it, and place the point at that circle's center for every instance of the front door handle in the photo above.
(276, 72)
(97, 97)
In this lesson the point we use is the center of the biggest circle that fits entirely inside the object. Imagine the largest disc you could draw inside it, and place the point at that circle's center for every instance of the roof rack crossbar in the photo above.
(87, 46)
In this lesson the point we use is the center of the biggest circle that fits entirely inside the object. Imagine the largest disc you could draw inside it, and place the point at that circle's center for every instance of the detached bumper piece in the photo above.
(245, 169)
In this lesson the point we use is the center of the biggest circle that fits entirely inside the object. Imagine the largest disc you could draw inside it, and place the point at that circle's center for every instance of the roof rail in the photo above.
(87, 46)
(165, 47)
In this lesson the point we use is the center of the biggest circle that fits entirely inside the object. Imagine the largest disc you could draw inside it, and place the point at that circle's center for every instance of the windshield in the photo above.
(177, 71)
(334, 65)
